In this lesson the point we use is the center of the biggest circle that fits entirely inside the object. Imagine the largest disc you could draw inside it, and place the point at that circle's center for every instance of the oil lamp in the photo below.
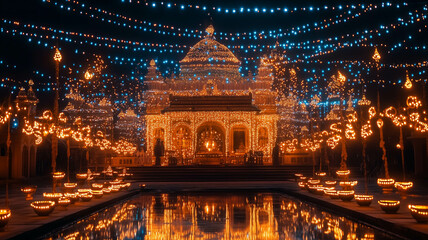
(343, 173)
(97, 186)
(5, 215)
(403, 187)
(58, 176)
(297, 176)
(125, 186)
(29, 190)
(330, 183)
(43, 208)
(386, 184)
(63, 202)
(52, 196)
(332, 193)
(363, 200)
(346, 195)
(74, 197)
(86, 196)
(97, 193)
(389, 206)
(419, 213)
(69, 187)
(348, 185)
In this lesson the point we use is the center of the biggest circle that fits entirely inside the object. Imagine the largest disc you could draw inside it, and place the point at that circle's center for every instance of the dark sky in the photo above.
(29, 56)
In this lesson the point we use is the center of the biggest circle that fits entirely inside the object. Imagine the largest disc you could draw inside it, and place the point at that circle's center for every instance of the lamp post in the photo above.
(57, 58)
(364, 103)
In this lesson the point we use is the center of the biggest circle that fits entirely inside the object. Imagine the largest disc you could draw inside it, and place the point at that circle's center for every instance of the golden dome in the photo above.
(209, 58)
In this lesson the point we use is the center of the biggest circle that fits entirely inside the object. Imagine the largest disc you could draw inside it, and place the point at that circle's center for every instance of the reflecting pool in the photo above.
(215, 215)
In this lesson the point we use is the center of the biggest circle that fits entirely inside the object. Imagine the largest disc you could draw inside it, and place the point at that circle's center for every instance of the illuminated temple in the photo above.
(210, 114)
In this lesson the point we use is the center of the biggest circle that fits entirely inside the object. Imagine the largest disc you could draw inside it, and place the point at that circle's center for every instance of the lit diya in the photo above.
(332, 193)
(97, 186)
(29, 190)
(321, 174)
(348, 185)
(97, 193)
(403, 186)
(330, 183)
(5, 215)
(74, 197)
(343, 173)
(346, 195)
(58, 175)
(302, 185)
(314, 181)
(81, 176)
(419, 213)
(63, 202)
(389, 206)
(125, 186)
(313, 188)
(43, 208)
(319, 190)
(297, 176)
(85, 196)
(69, 187)
(107, 190)
(386, 184)
(52, 196)
(363, 200)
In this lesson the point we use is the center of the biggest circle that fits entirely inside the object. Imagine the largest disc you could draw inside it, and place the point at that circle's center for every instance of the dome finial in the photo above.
(152, 63)
(210, 31)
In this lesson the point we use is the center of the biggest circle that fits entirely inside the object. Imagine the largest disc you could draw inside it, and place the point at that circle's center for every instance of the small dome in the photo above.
(209, 58)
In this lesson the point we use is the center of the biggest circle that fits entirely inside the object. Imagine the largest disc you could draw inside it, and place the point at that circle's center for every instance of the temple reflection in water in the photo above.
(224, 215)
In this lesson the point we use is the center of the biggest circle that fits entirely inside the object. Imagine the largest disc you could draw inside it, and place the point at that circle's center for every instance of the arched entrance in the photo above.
(210, 144)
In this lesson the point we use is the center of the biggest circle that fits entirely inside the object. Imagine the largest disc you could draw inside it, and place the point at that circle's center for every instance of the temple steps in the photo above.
(217, 173)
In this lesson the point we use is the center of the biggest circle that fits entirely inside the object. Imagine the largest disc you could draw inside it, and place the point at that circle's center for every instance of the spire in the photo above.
(408, 84)
(31, 95)
(376, 56)
(210, 31)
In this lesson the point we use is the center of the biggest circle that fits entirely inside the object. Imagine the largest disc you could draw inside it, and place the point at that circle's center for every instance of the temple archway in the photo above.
(210, 139)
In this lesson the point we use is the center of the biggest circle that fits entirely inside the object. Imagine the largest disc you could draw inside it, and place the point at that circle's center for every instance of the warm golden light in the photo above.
(57, 57)
(58, 175)
(376, 56)
(403, 186)
(343, 173)
(419, 212)
(5, 215)
(389, 206)
(408, 84)
(43, 208)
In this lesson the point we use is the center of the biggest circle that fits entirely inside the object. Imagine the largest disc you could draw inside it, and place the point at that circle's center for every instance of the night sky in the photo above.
(24, 57)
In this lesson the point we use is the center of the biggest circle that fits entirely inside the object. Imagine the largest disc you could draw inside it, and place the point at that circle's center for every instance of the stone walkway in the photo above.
(401, 223)
(24, 221)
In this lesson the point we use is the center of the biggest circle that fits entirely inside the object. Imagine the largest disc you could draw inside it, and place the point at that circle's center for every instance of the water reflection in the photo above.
(223, 215)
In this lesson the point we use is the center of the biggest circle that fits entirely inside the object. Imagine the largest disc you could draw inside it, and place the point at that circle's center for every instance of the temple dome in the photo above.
(209, 58)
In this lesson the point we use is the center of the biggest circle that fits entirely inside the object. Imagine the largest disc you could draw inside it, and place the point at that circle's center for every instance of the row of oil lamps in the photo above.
(321, 186)
(69, 195)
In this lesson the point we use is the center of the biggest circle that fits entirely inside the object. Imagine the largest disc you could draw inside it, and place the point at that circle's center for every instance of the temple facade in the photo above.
(210, 114)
